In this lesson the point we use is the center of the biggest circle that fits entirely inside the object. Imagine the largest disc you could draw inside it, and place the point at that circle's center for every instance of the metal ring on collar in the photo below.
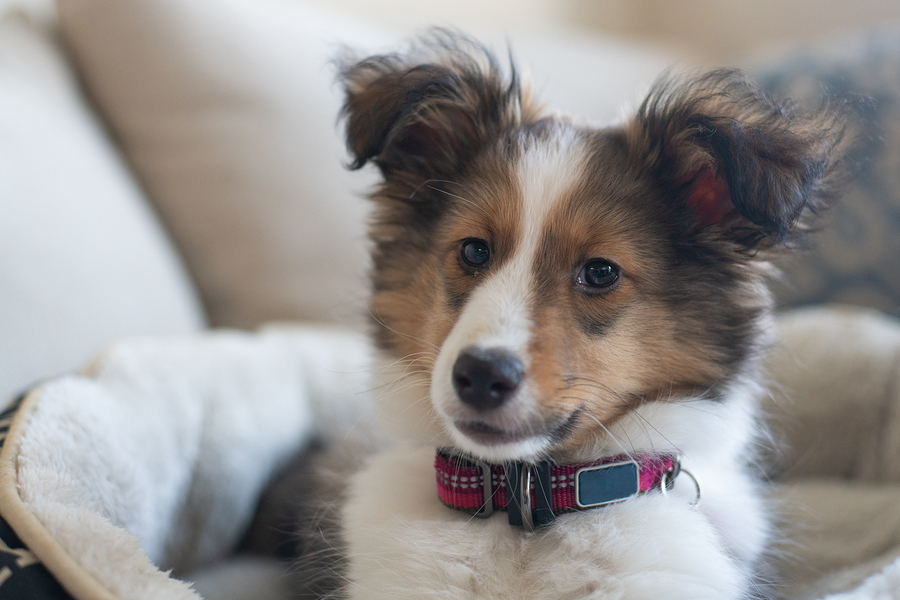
(525, 497)
(663, 485)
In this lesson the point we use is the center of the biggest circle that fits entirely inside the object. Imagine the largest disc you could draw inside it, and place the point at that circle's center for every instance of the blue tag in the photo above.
(605, 484)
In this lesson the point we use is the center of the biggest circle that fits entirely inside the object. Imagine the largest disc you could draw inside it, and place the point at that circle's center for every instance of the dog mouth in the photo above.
(491, 435)
(488, 435)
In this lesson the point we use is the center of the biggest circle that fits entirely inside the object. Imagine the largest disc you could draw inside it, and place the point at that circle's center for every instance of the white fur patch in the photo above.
(713, 439)
(406, 545)
(498, 314)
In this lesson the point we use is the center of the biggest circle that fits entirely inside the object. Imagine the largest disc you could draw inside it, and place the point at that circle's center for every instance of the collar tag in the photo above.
(600, 485)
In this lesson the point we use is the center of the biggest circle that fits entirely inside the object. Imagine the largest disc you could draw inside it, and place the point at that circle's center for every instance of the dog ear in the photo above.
(756, 169)
(426, 111)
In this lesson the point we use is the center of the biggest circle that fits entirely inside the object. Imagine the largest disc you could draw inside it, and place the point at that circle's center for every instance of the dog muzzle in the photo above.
(533, 494)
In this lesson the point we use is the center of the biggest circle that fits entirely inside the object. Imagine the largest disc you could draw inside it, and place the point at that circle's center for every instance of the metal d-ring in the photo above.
(664, 484)
(525, 497)
(696, 501)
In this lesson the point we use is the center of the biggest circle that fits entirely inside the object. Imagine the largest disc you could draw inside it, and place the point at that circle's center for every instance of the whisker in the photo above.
(452, 195)
(580, 381)
(611, 435)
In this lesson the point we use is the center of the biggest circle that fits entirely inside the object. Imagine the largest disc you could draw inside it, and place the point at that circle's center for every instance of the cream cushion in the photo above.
(82, 258)
(228, 113)
(228, 109)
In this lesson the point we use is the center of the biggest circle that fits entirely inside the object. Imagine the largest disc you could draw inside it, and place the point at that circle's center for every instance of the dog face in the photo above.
(535, 280)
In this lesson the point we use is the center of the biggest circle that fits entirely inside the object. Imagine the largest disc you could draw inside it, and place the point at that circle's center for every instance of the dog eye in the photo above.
(599, 274)
(474, 253)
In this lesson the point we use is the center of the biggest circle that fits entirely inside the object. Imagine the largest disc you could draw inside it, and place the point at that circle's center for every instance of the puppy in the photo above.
(570, 320)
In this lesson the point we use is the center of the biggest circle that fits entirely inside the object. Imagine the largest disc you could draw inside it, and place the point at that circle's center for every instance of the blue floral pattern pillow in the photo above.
(856, 257)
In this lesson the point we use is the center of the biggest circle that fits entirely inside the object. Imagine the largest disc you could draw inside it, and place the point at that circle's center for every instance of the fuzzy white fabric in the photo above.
(152, 459)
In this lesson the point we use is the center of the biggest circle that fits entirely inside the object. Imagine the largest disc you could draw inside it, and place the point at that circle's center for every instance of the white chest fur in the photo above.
(404, 544)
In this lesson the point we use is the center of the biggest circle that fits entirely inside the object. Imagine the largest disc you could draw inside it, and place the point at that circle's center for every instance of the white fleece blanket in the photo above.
(151, 459)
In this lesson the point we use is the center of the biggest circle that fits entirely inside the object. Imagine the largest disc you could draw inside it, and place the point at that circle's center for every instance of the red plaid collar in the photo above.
(553, 489)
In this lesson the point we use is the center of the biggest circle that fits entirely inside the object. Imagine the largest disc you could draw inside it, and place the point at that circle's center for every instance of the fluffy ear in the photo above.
(752, 167)
(425, 111)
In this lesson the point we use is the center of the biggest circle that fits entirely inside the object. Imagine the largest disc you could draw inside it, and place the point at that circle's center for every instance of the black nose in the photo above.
(486, 378)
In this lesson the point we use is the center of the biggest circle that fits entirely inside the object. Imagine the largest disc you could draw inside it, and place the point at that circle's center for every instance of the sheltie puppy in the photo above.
(569, 320)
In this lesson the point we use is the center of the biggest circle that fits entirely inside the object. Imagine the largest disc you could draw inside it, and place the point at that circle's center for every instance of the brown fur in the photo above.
(685, 316)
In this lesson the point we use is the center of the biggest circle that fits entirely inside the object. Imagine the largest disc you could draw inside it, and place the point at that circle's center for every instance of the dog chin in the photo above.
(502, 438)
(495, 445)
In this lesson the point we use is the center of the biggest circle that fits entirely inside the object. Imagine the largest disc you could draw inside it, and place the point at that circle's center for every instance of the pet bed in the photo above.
(119, 482)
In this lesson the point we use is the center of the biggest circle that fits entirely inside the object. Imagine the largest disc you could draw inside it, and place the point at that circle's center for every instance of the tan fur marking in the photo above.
(419, 311)
(640, 356)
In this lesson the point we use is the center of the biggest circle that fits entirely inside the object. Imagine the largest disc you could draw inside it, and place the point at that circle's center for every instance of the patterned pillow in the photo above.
(856, 258)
